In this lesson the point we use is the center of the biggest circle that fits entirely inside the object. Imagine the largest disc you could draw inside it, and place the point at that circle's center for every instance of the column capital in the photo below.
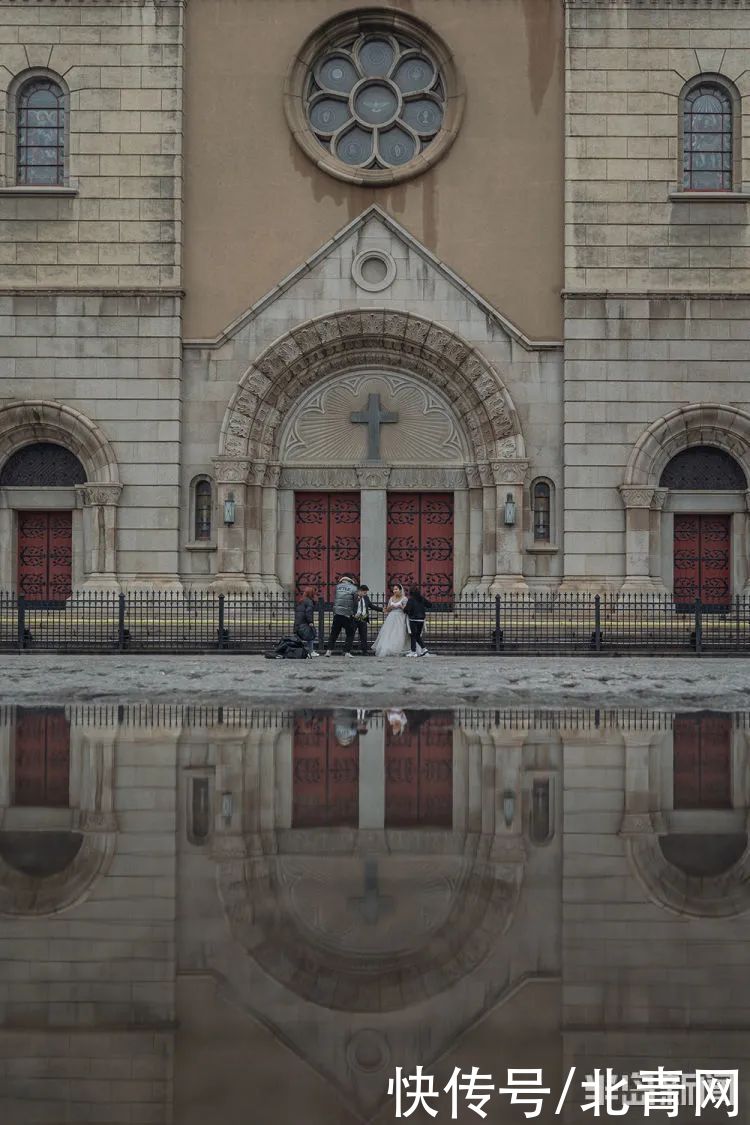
(473, 476)
(509, 472)
(234, 471)
(659, 499)
(373, 476)
(635, 496)
(485, 475)
(257, 472)
(273, 475)
(94, 494)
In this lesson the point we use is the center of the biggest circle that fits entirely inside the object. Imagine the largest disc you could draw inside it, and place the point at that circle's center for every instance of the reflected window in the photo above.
(41, 775)
(40, 133)
(325, 770)
(199, 824)
(541, 510)
(540, 827)
(419, 770)
(702, 762)
(707, 138)
(203, 510)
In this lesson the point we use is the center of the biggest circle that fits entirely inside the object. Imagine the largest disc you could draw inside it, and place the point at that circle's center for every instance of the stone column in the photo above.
(100, 535)
(373, 481)
(231, 477)
(746, 540)
(509, 479)
(654, 537)
(269, 529)
(639, 815)
(474, 581)
(637, 503)
(253, 524)
(489, 524)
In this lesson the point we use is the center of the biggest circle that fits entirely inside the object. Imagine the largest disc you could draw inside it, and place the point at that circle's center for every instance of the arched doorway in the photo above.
(705, 485)
(685, 492)
(59, 490)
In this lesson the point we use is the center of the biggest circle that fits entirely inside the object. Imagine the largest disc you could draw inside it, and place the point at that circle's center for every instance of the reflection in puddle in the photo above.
(233, 915)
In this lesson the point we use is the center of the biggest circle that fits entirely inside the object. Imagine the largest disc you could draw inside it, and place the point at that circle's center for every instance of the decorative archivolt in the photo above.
(34, 420)
(374, 339)
(708, 896)
(701, 423)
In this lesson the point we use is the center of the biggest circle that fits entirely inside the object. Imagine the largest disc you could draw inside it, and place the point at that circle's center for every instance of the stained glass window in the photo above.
(203, 505)
(375, 101)
(707, 140)
(40, 154)
(540, 504)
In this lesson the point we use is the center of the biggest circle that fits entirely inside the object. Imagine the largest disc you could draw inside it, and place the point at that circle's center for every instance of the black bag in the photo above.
(288, 648)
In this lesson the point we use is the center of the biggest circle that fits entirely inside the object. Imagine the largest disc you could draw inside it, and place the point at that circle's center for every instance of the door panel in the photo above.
(41, 777)
(45, 555)
(325, 772)
(702, 559)
(327, 535)
(702, 761)
(420, 542)
(419, 772)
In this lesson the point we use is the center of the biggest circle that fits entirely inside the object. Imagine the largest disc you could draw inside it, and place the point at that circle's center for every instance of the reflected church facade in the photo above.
(452, 300)
(302, 902)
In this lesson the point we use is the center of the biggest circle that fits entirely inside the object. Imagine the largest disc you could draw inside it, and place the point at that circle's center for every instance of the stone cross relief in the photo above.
(373, 417)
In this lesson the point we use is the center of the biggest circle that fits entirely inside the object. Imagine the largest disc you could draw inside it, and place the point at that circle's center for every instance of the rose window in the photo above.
(376, 101)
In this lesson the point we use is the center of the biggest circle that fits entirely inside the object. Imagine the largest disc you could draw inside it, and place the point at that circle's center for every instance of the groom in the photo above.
(362, 616)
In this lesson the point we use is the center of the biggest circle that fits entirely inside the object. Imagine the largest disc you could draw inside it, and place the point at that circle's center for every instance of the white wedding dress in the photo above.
(393, 638)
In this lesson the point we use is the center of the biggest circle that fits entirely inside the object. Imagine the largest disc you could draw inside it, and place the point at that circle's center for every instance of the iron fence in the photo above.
(504, 625)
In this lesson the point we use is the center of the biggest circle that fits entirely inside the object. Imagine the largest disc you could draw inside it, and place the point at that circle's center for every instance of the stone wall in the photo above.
(89, 272)
(652, 272)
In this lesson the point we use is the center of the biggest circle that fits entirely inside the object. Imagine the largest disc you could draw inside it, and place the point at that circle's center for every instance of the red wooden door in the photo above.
(41, 776)
(419, 772)
(326, 543)
(325, 771)
(702, 554)
(45, 555)
(420, 542)
(702, 761)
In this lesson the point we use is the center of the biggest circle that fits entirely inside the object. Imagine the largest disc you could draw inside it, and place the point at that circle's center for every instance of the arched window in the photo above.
(708, 138)
(541, 822)
(203, 510)
(43, 464)
(40, 133)
(541, 511)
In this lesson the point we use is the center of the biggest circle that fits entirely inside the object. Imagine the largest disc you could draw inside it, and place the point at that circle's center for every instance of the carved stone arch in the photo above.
(380, 338)
(27, 896)
(35, 420)
(701, 423)
(713, 896)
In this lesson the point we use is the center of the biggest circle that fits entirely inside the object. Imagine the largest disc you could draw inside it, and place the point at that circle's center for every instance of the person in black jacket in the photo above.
(416, 611)
(304, 616)
(362, 616)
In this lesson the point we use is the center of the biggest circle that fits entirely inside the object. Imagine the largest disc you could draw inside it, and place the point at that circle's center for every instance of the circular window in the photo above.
(373, 270)
(373, 98)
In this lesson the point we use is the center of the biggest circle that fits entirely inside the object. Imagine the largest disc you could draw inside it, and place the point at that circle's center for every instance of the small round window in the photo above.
(373, 100)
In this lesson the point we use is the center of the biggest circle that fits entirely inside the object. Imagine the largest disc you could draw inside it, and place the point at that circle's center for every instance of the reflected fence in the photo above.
(508, 624)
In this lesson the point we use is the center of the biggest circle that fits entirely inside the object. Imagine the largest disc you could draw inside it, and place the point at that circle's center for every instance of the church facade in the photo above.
(445, 292)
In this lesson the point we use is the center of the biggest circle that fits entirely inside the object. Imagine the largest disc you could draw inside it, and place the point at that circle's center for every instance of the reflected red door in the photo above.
(41, 776)
(420, 542)
(702, 757)
(419, 772)
(702, 554)
(45, 555)
(326, 539)
(325, 771)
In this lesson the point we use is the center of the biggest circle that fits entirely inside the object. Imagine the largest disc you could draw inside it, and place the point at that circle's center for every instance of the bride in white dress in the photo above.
(393, 638)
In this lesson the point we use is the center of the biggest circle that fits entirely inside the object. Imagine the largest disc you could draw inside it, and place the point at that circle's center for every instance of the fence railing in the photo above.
(503, 625)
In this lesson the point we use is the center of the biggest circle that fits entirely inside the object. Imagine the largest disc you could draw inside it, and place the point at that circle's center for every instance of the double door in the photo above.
(702, 558)
(45, 556)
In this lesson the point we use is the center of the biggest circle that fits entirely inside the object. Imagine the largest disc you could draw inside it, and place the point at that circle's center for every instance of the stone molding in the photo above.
(231, 472)
(658, 4)
(509, 472)
(436, 477)
(34, 420)
(93, 494)
(383, 339)
(636, 497)
(701, 423)
(373, 476)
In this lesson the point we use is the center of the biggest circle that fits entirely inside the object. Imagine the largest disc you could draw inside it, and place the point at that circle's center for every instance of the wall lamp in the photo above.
(230, 509)
(510, 510)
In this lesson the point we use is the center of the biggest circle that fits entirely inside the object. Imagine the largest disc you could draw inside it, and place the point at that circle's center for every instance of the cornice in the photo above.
(90, 3)
(657, 4)
(655, 294)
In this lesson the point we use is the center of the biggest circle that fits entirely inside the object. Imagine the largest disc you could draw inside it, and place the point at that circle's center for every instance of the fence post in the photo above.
(498, 640)
(698, 626)
(321, 623)
(21, 610)
(220, 639)
(598, 623)
(121, 622)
